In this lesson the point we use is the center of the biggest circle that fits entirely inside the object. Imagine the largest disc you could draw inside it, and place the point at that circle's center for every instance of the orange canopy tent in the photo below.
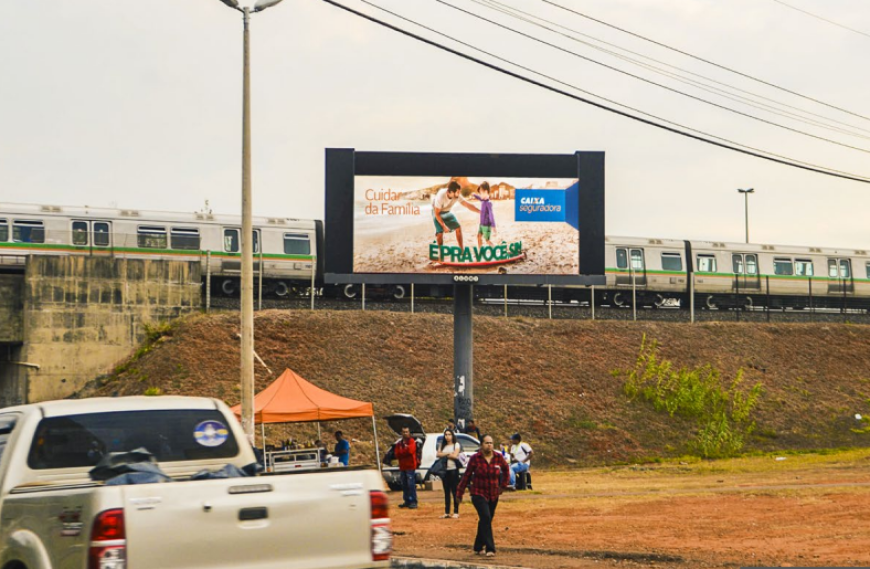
(293, 399)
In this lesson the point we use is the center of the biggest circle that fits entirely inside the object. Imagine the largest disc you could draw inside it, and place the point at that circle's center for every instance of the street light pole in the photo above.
(247, 237)
(746, 207)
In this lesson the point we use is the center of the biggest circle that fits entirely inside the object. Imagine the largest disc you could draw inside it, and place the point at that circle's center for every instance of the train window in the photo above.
(706, 264)
(256, 241)
(184, 238)
(845, 268)
(621, 259)
(4, 230)
(832, 268)
(672, 262)
(151, 237)
(782, 266)
(751, 264)
(101, 233)
(736, 264)
(803, 267)
(28, 231)
(868, 270)
(79, 232)
(231, 240)
(296, 244)
(637, 260)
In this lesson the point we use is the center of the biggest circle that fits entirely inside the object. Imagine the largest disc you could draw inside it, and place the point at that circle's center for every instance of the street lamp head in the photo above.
(263, 4)
(748, 191)
(232, 3)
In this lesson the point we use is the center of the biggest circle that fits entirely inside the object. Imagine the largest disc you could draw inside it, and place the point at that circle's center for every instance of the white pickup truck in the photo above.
(54, 516)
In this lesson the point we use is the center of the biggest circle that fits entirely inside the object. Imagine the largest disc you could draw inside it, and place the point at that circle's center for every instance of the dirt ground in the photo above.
(800, 510)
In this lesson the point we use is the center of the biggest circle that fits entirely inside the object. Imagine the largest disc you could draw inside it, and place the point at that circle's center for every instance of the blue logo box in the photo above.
(539, 205)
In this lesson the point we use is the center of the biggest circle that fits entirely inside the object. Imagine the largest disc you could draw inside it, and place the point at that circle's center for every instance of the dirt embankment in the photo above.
(550, 380)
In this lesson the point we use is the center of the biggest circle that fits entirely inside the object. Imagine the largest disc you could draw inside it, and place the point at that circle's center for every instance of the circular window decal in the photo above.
(211, 433)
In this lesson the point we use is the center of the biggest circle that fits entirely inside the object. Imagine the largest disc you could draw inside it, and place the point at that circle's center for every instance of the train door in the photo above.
(232, 244)
(631, 261)
(745, 269)
(92, 235)
(840, 276)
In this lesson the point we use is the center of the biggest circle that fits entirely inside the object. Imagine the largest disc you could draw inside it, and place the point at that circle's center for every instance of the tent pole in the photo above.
(319, 437)
(377, 449)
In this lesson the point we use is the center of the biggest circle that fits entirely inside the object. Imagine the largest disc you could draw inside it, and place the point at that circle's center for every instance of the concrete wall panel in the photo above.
(81, 315)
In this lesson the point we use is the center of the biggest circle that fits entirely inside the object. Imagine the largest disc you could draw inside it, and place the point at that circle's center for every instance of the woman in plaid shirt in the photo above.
(486, 475)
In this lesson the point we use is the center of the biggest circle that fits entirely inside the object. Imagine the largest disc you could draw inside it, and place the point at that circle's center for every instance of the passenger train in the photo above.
(641, 271)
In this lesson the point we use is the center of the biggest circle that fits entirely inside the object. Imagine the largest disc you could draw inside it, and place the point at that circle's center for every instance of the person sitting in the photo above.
(521, 460)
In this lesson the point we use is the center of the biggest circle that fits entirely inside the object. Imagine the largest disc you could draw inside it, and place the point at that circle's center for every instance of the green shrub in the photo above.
(153, 391)
(722, 413)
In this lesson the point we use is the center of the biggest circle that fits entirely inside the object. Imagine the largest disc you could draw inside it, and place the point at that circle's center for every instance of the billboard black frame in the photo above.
(343, 164)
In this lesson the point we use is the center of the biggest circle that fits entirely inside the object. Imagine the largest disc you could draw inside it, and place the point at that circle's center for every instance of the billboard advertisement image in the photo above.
(457, 224)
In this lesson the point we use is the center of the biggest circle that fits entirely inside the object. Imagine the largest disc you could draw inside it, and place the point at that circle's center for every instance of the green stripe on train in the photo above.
(144, 251)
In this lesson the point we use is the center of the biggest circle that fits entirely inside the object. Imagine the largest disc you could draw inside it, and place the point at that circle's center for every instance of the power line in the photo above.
(787, 162)
(832, 22)
(651, 82)
(707, 61)
(576, 88)
(727, 93)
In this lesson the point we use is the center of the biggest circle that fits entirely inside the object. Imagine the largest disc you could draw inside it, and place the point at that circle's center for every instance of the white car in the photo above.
(430, 442)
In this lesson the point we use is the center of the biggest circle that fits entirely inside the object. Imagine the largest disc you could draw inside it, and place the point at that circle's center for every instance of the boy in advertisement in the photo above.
(486, 230)
(445, 220)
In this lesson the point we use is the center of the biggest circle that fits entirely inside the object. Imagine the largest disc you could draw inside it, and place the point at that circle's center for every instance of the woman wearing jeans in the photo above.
(486, 475)
(449, 451)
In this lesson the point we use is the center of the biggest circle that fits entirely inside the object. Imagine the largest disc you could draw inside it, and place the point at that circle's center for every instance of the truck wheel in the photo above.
(398, 292)
(349, 291)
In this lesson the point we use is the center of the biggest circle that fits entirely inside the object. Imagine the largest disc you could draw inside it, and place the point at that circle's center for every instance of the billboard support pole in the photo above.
(505, 301)
(550, 300)
(364, 296)
(463, 362)
(412, 298)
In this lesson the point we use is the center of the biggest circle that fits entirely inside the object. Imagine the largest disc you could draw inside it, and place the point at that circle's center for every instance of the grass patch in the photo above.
(720, 409)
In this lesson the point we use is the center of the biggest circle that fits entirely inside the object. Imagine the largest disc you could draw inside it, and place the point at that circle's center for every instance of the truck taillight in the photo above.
(108, 541)
(382, 535)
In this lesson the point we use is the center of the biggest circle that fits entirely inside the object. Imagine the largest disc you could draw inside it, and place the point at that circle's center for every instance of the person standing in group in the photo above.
(471, 429)
(444, 219)
(449, 451)
(342, 448)
(486, 476)
(521, 457)
(406, 453)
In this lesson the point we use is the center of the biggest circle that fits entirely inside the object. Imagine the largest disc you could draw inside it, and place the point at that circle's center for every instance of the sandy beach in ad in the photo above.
(400, 244)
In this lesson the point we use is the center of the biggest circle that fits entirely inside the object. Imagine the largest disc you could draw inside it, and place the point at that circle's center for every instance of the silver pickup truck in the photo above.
(53, 515)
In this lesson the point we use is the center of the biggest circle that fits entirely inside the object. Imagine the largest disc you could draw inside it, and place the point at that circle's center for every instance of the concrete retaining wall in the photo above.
(82, 315)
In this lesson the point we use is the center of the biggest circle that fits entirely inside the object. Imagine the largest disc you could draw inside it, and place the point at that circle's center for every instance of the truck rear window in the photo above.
(170, 435)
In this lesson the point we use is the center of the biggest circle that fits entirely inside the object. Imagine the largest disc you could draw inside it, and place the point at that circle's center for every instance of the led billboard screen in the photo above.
(492, 225)
(402, 217)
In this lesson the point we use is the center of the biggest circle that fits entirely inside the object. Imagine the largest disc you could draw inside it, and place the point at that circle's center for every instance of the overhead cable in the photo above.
(784, 161)
(707, 61)
(832, 22)
(727, 92)
(651, 82)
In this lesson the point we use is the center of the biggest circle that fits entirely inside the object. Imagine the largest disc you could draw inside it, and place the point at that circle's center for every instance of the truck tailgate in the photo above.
(312, 519)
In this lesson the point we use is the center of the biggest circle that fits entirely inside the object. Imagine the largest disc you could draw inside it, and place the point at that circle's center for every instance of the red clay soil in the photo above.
(806, 523)
(550, 380)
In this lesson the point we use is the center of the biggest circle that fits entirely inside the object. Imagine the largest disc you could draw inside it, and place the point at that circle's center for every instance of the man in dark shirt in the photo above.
(471, 429)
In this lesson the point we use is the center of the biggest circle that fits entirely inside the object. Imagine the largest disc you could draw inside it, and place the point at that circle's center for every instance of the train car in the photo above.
(285, 250)
(781, 276)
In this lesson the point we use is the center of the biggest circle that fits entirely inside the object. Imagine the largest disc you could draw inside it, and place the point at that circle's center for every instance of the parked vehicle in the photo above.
(54, 515)
(430, 443)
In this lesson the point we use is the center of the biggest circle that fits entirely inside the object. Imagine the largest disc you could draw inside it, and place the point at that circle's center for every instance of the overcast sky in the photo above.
(138, 105)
